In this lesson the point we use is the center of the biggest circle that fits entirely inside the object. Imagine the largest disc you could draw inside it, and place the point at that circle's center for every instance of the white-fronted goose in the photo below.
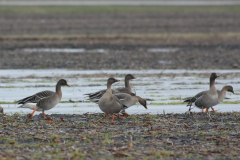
(129, 100)
(110, 104)
(221, 95)
(44, 100)
(206, 99)
(127, 89)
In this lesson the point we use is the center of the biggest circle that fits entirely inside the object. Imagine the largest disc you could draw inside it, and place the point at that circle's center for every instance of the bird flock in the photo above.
(113, 101)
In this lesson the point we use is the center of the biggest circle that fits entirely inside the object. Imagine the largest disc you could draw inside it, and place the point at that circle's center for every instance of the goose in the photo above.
(206, 99)
(128, 100)
(44, 100)
(221, 95)
(127, 89)
(109, 103)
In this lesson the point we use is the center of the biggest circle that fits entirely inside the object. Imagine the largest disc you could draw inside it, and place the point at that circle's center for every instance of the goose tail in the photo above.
(29, 105)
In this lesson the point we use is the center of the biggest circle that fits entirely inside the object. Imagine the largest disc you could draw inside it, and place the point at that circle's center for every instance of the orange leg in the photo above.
(213, 110)
(119, 116)
(202, 110)
(107, 118)
(31, 117)
(113, 118)
(206, 110)
(44, 115)
(125, 114)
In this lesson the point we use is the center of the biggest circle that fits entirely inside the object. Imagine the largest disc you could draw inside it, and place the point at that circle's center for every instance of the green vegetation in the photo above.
(175, 98)
(99, 140)
(25, 86)
(170, 103)
(186, 36)
(4, 102)
(230, 102)
(117, 9)
(152, 103)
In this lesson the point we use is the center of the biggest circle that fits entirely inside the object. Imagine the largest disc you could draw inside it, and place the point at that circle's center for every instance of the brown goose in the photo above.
(129, 100)
(44, 100)
(109, 103)
(221, 95)
(223, 92)
(127, 89)
(206, 99)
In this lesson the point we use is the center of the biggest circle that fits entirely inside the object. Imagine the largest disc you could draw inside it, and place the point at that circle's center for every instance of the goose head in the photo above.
(112, 80)
(229, 89)
(213, 76)
(143, 102)
(129, 77)
(63, 82)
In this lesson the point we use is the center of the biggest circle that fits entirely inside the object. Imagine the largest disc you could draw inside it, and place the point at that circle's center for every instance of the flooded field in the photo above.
(165, 89)
(119, 2)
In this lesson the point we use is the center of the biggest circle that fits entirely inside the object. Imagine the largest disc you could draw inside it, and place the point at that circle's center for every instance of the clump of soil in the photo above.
(144, 136)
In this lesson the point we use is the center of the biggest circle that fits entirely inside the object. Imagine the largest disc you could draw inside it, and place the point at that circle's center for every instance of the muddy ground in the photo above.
(118, 23)
(121, 52)
(89, 136)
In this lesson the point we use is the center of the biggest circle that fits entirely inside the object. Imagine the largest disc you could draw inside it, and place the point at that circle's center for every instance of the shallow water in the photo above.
(121, 3)
(63, 50)
(163, 50)
(83, 50)
(17, 84)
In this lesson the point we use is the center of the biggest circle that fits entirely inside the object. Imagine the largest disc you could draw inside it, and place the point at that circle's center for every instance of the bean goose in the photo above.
(44, 100)
(221, 95)
(208, 98)
(109, 103)
(127, 89)
(129, 100)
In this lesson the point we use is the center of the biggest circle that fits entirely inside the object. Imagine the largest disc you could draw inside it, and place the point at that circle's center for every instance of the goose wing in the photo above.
(123, 90)
(191, 100)
(97, 95)
(119, 102)
(36, 97)
(205, 100)
(125, 99)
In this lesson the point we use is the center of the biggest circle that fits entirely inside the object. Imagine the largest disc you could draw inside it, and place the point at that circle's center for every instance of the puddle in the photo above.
(16, 73)
(120, 3)
(164, 62)
(64, 50)
(162, 50)
(162, 89)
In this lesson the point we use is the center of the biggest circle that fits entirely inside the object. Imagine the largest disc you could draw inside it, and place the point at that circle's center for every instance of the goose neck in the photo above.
(212, 84)
(109, 90)
(58, 89)
(127, 84)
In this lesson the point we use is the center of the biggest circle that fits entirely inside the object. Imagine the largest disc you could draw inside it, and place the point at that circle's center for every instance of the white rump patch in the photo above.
(30, 106)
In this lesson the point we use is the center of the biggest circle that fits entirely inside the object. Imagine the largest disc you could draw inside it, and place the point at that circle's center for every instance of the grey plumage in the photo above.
(36, 97)
(44, 100)
(206, 99)
(109, 103)
(221, 95)
(129, 100)
(127, 89)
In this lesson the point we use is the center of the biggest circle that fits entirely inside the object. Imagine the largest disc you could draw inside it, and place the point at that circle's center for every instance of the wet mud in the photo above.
(139, 136)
